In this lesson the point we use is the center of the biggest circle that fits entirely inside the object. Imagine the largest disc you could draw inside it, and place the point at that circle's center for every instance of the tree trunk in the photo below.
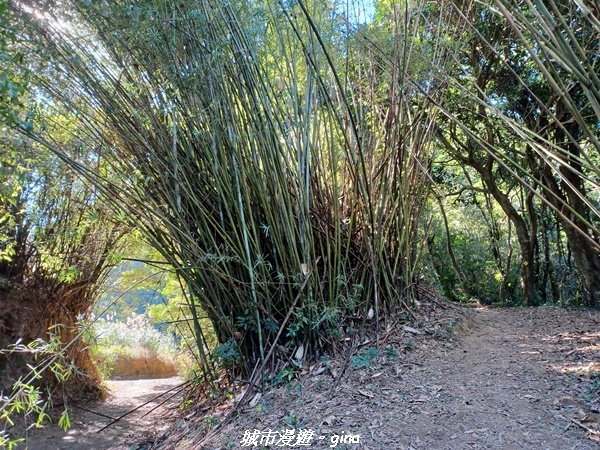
(527, 240)
(587, 262)
(581, 244)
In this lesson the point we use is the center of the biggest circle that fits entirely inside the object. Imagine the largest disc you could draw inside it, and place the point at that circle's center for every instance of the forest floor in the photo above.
(132, 432)
(453, 378)
(480, 378)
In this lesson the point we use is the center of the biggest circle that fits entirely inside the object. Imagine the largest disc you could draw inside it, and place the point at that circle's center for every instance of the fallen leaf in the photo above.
(304, 269)
(365, 393)
(319, 371)
(255, 400)
(411, 329)
(435, 389)
(328, 420)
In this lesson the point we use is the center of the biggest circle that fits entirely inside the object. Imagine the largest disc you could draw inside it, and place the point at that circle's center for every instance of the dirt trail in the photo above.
(513, 383)
(131, 432)
(515, 379)
(500, 379)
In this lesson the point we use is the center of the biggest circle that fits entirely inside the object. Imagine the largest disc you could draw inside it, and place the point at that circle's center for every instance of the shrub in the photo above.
(135, 344)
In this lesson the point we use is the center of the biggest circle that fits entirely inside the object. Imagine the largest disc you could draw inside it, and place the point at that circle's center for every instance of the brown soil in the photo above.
(26, 314)
(490, 379)
(132, 432)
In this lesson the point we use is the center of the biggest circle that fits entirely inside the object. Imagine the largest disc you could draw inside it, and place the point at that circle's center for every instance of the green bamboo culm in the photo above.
(240, 139)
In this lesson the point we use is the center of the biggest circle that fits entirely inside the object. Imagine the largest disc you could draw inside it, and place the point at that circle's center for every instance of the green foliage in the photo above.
(365, 358)
(27, 399)
(64, 421)
(142, 285)
(211, 422)
(285, 376)
(293, 419)
(391, 352)
(227, 354)
(194, 158)
(596, 382)
(13, 78)
(522, 112)
(280, 161)
(480, 274)
(131, 289)
(138, 288)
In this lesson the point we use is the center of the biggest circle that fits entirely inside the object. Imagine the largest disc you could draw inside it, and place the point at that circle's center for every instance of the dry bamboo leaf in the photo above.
(319, 371)
(365, 393)
(329, 420)
(370, 314)
(255, 400)
(304, 268)
(411, 330)
(299, 353)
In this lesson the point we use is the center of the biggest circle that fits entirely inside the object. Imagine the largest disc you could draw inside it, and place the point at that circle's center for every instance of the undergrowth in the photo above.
(136, 338)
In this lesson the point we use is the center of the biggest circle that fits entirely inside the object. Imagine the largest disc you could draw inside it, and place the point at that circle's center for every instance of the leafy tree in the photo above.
(511, 117)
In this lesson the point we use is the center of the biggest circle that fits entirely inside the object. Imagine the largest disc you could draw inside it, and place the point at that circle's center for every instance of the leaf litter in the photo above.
(456, 378)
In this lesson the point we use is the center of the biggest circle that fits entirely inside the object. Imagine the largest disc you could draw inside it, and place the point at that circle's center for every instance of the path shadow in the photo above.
(126, 395)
